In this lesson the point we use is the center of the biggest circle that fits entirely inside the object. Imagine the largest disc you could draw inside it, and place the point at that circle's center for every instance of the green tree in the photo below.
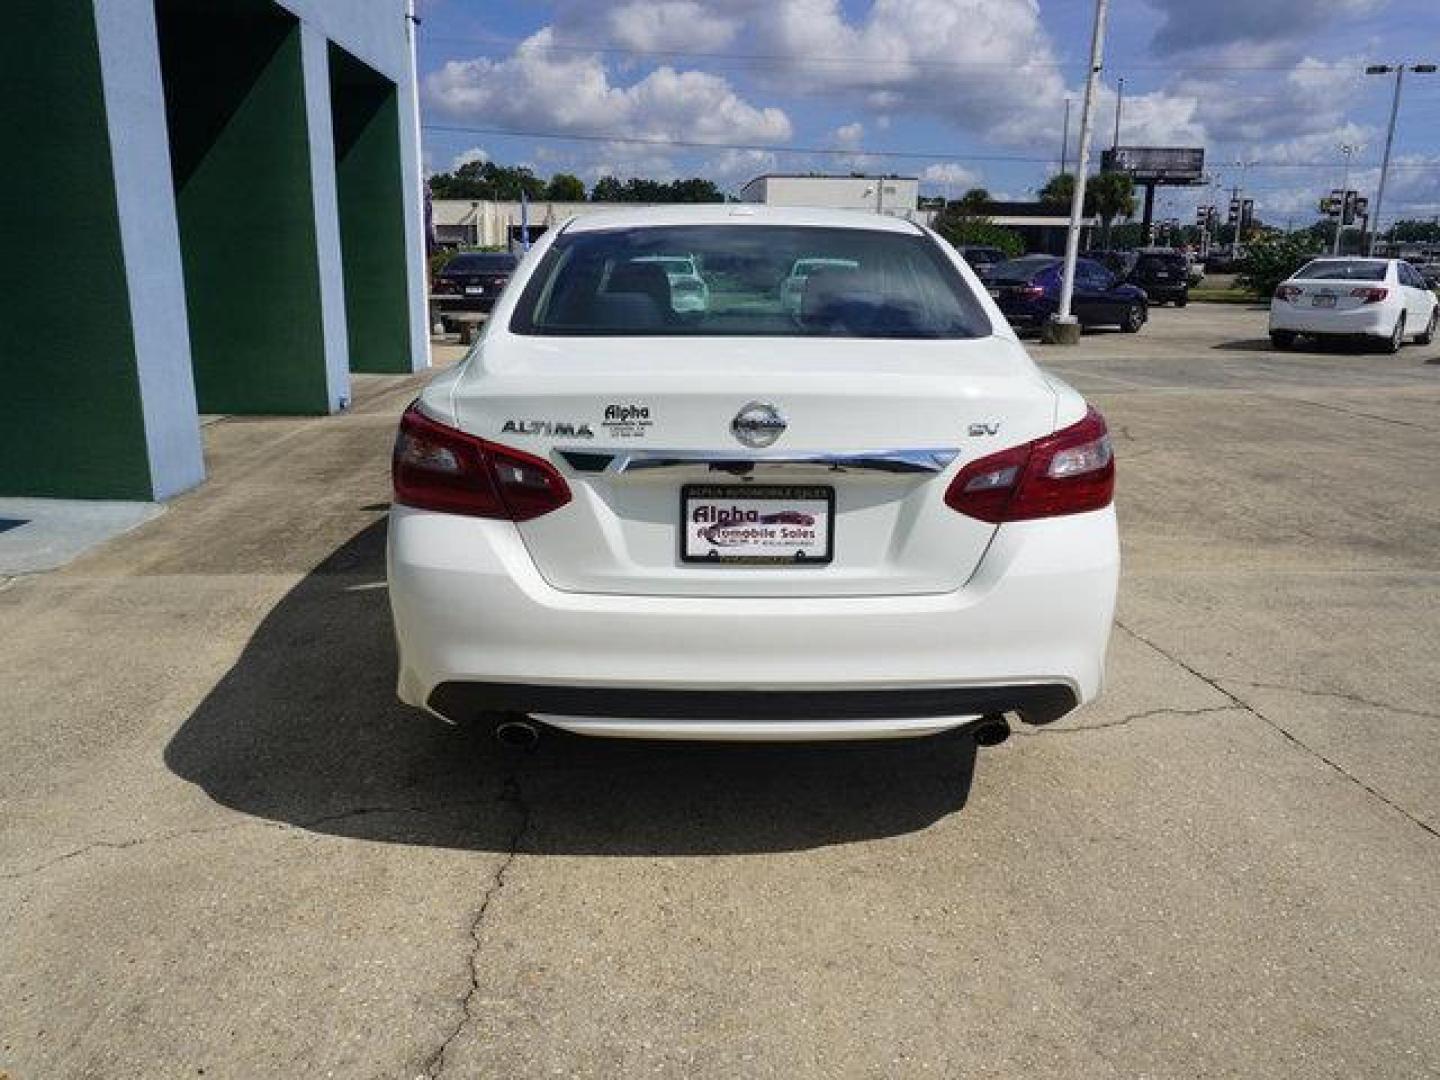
(975, 201)
(607, 189)
(960, 223)
(486, 180)
(1271, 258)
(565, 187)
(1111, 195)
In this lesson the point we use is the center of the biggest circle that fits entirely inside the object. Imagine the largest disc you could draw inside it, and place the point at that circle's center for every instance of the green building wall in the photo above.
(71, 420)
(235, 99)
(371, 207)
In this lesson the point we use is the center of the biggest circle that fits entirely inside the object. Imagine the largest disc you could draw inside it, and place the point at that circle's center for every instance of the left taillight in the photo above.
(1069, 472)
(437, 467)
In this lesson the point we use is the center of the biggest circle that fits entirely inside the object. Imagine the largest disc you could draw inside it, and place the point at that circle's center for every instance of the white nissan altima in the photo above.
(1383, 301)
(866, 515)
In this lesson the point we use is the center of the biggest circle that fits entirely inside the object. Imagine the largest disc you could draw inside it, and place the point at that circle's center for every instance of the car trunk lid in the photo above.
(879, 427)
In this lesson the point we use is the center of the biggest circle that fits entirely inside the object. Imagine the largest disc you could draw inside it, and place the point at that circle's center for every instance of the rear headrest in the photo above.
(839, 298)
(639, 277)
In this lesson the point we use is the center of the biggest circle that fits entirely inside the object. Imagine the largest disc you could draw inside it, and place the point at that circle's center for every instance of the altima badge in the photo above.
(758, 424)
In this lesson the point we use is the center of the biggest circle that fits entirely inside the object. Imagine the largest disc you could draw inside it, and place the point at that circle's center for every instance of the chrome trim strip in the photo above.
(918, 460)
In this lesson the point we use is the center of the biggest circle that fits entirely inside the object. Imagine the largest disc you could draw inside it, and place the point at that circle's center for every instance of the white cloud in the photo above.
(465, 157)
(849, 136)
(950, 175)
(539, 88)
(670, 25)
(733, 168)
(1188, 25)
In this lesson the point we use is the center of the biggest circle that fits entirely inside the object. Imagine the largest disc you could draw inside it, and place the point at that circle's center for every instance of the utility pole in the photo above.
(1385, 69)
(1347, 149)
(1239, 206)
(1065, 138)
(1119, 101)
(1064, 329)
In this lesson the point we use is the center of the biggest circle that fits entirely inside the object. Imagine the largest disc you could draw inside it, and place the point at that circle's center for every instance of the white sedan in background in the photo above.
(1382, 300)
(872, 516)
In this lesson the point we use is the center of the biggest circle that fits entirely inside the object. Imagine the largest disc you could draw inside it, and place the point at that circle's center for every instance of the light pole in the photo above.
(1119, 102)
(1399, 70)
(1064, 329)
(1065, 138)
(1347, 149)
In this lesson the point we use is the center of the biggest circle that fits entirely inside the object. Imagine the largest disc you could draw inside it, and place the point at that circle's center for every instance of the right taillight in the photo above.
(1069, 472)
(437, 467)
(1370, 294)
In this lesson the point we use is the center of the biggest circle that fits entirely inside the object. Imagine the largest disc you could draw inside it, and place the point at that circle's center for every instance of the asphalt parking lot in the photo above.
(225, 849)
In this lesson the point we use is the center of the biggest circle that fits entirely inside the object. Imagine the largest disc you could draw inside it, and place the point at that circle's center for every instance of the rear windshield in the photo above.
(1018, 269)
(480, 264)
(1160, 262)
(762, 280)
(1343, 270)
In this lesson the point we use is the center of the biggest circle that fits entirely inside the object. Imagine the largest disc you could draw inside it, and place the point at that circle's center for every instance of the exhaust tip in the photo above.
(517, 734)
(991, 730)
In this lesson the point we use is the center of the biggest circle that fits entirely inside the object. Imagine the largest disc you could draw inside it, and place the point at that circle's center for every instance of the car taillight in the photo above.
(1069, 472)
(436, 467)
(1032, 292)
(444, 286)
(1288, 292)
(1372, 294)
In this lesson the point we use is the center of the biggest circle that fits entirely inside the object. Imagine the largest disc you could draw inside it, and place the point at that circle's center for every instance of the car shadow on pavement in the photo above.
(305, 730)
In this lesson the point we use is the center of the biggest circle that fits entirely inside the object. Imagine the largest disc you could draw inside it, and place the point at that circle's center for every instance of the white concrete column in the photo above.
(315, 65)
(417, 272)
(150, 240)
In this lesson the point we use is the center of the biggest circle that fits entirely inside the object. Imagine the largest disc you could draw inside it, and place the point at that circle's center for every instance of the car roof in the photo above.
(737, 214)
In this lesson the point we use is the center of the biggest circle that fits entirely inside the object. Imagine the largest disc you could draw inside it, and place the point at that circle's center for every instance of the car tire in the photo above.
(1134, 319)
(1426, 336)
(1182, 300)
(1282, 339)
(1396, 339)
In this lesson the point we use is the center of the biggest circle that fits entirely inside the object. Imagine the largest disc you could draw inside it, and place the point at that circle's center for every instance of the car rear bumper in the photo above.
(450, 303)
(479, 630)
(1372, 319)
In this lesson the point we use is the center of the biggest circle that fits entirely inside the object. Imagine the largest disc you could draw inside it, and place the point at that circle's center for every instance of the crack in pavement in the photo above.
(435, 1065)
(1124, 720)
(283, 826)
(1338, 695)
(1285, 732)
(1352, 412)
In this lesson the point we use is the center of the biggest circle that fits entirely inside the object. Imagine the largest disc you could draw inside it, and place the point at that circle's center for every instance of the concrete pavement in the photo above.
(225, 849)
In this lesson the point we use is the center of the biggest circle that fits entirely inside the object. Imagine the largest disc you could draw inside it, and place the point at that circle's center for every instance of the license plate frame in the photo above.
(802, 496)
(474, 290)
(1323, 300)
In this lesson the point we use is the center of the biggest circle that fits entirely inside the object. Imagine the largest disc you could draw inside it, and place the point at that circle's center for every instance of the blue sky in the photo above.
(971, 91)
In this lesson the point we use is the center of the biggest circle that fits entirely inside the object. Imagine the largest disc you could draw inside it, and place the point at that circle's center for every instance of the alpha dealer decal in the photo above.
(627, 421)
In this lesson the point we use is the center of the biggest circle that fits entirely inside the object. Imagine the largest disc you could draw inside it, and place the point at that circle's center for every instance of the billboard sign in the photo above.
(1156, 164)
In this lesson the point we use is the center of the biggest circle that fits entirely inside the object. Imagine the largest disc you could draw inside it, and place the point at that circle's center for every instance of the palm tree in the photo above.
(1113, 196)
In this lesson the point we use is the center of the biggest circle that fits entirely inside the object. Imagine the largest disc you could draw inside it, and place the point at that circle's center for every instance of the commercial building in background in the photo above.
(212, 206)
(491, 223)
(897, 196)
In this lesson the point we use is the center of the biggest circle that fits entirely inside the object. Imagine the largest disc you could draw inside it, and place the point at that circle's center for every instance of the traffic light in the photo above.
(1347, 214)
(1234, 215)
(1333, 203)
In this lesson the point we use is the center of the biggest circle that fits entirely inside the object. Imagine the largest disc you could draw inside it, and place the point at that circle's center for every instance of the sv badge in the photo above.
(977, 430)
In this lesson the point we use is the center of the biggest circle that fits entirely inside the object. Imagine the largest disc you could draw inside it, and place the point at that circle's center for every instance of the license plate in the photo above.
(730, 523)
(474, 290)
(1323, 300)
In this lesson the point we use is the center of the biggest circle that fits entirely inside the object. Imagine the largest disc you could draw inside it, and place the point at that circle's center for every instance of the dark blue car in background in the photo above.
(1027, 290)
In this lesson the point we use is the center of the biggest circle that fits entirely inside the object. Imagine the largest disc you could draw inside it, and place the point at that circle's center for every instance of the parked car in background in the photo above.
(1382, 301)
(1027, 290)
(688, 291)
(792, 289)
(1164, 274)
(874, 519)
(980, 256)
(471, 282)
(1430, 271)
